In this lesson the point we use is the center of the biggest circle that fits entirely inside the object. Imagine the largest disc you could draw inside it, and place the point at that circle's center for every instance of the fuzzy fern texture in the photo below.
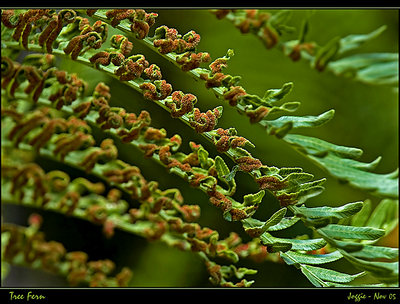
(134, 156)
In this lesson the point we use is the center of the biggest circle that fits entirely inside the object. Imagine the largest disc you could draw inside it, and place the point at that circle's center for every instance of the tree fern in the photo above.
(48, 113)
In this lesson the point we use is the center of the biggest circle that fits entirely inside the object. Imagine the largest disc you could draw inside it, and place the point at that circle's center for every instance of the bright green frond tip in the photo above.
(340, 162)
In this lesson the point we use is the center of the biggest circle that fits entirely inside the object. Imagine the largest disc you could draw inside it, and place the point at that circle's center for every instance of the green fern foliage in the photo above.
(73, 146)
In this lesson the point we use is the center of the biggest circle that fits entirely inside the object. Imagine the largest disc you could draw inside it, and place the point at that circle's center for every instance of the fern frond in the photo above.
(370, 68)
(353, 242)
(47, 113)
(52, 256)
(257, 108)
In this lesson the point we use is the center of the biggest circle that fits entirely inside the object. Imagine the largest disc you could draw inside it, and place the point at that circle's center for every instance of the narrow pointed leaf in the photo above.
(275, 218)
(202, 155)
(337, 160)
(326, 53)
(298, 178)
(384, 214)
(303, 31)
(313, 278)
(335, 212)
(287, 171)
(223, 171)
(319, 147)
(345, 245)
(286, 107)
(221, 167)
(380, 73)
(256, 227)
(285, 223)
(376, 252)
(275, 245)
(311, 244)
(304, 258)
(360, 219)
(253, 199)
(377, 268)
(300, 121)
(379, 184)
(371, 68)
(278, 247)
(274, 95)
(350, 232)
(332, 275)
(352, 42)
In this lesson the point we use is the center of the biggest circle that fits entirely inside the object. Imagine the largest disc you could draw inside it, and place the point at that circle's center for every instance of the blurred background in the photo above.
(366, 117)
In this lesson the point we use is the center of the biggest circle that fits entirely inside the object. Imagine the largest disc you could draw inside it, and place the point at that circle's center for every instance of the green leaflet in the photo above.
(360, 219)
(385, 215)
(345, 245)
(298, 121)
(293, 257)
(304, 29)
(350, 232)
(362, 166)
(370, 68)
(330, 275)
(325, 54)
(296, 244)
(298, 178)
(352, 42)
(271, 96)
(281, 247)
(301, 181)
(360, 61)
(323, 212)
(290, 106)
(253, 199)
(205, 161)
(284, 172)
(378, 184)
(296, 183)
(313, 277)
(223, 171)
(360, 254)
(361, 250)
(256, 227)
(249, 205)
(319, 147)
(376, 252)
(387, 272)
(336, 160)
(285, 223)
(304, 191)
(274, 95)
(379, 74)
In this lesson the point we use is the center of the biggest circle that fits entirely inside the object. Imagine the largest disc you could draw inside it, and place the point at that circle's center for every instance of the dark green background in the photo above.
(366, 117)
